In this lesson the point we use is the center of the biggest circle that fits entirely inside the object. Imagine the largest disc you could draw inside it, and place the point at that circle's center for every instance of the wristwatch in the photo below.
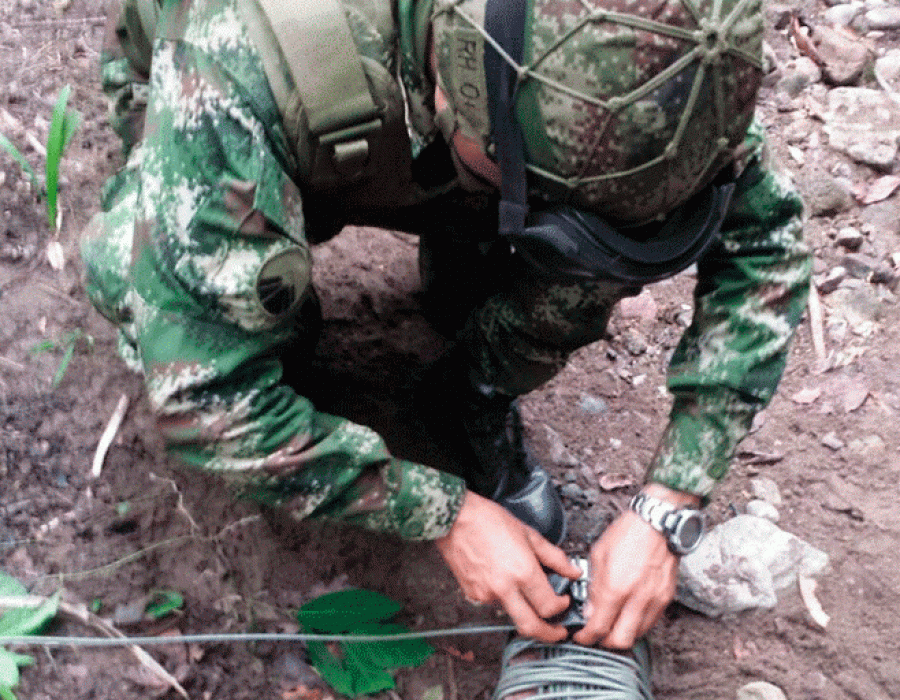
(682, 527)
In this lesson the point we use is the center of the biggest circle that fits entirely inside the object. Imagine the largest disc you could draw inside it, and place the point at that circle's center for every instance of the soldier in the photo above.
(553, 156)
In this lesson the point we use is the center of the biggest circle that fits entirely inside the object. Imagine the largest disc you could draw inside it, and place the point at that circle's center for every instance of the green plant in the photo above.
(17, 156)
(18, 622)
(161, 603)
(67, 343)
(63, 125)
(359, 668)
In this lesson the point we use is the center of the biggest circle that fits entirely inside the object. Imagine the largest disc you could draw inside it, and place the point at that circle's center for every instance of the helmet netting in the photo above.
(628, 107)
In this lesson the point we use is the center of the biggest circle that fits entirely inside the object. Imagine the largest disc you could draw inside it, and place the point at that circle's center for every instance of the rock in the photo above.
(887, 69)
(797, 75)
(882, 217)
(573, 492)
(860, 307)
(760, 690)
(883, 18)
(849, 238)
(870, 449)
(844, 56)
(634, 343)
(863, 123)
(832, 441)
(592, 404)
(763, 509)
(842, 15)
(765, 489)
(831, 280)
(859, 266)
(824, 195)
(740, 565)
(642, 306)
(558, 452)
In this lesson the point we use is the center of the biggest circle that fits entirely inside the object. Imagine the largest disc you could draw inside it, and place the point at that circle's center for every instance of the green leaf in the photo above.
(330, 667)
(361, 668)
(43, 346)
(338, 612)
(62, 128)
(9, 668)
(17, 156)
(10, 586)
(162, 603)
(21, 621)
(391, 653)
(6, 694)
(63, 364)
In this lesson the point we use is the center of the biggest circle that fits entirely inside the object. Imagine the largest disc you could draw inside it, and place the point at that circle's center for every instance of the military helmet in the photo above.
(626, 108)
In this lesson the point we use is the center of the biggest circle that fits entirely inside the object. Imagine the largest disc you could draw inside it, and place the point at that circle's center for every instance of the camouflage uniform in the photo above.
(208, 201)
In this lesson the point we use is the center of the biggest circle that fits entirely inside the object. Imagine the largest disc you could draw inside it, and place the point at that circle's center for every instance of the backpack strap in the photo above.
(324, 99)
(135, 30)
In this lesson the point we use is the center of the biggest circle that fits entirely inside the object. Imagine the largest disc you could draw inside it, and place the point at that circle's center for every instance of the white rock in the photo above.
(740, 565)
(883, 18)
(864, 123)
(766, 489)
(760, 690)
(763, 509)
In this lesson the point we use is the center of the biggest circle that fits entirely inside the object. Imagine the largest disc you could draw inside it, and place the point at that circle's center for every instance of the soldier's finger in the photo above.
(528, 622)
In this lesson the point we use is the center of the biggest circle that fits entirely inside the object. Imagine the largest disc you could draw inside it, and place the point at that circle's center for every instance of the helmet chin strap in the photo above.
(504, 20)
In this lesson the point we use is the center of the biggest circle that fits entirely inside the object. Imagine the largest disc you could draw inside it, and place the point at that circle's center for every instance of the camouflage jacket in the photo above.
(208, 201)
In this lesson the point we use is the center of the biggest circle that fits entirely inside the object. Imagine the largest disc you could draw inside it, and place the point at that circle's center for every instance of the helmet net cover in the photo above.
(627, 107)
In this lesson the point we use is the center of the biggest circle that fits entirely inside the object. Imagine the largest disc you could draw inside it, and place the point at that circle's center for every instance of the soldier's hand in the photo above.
(496, 558)
(633, 577)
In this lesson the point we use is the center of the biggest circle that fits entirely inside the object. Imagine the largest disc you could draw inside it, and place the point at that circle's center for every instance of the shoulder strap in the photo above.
(327, 98)
(136, 28)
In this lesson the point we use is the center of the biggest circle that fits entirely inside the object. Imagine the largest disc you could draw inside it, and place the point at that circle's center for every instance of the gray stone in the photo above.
(883, 216)
(850, 238)
(592, 404)
(824, 195)
(859, 266)
(765, 489)
(842, 15)
(741, 564)
(760, 690)
(831, 280)
(863, 123)
(572, 491)
(844, 57)
(832, 441)
(859, 306)
(763, 509)
(634, 343)
(883, 18)
(796, 75)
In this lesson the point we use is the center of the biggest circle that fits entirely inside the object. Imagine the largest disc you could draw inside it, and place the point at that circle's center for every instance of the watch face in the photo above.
(690, 531)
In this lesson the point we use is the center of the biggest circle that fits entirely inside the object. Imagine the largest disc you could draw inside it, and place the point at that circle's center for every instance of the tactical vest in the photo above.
(343, 113)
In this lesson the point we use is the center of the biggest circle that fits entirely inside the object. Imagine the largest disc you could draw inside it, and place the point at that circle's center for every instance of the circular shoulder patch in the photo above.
(283, 280)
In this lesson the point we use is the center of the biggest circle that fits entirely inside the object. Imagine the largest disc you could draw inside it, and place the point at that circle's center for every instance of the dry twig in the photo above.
(817, 326)
(109, 435)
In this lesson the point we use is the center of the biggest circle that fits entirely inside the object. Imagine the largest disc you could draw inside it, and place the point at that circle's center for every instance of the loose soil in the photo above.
(144, 525)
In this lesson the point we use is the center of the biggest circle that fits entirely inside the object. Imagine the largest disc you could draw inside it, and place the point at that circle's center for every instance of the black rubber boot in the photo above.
(483, 430)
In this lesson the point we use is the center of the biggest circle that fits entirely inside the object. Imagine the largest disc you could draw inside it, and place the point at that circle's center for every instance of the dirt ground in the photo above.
(144, 525)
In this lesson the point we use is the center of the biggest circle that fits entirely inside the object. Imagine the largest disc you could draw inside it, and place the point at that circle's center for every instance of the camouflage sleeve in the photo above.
(750, 296)
(202, 212)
